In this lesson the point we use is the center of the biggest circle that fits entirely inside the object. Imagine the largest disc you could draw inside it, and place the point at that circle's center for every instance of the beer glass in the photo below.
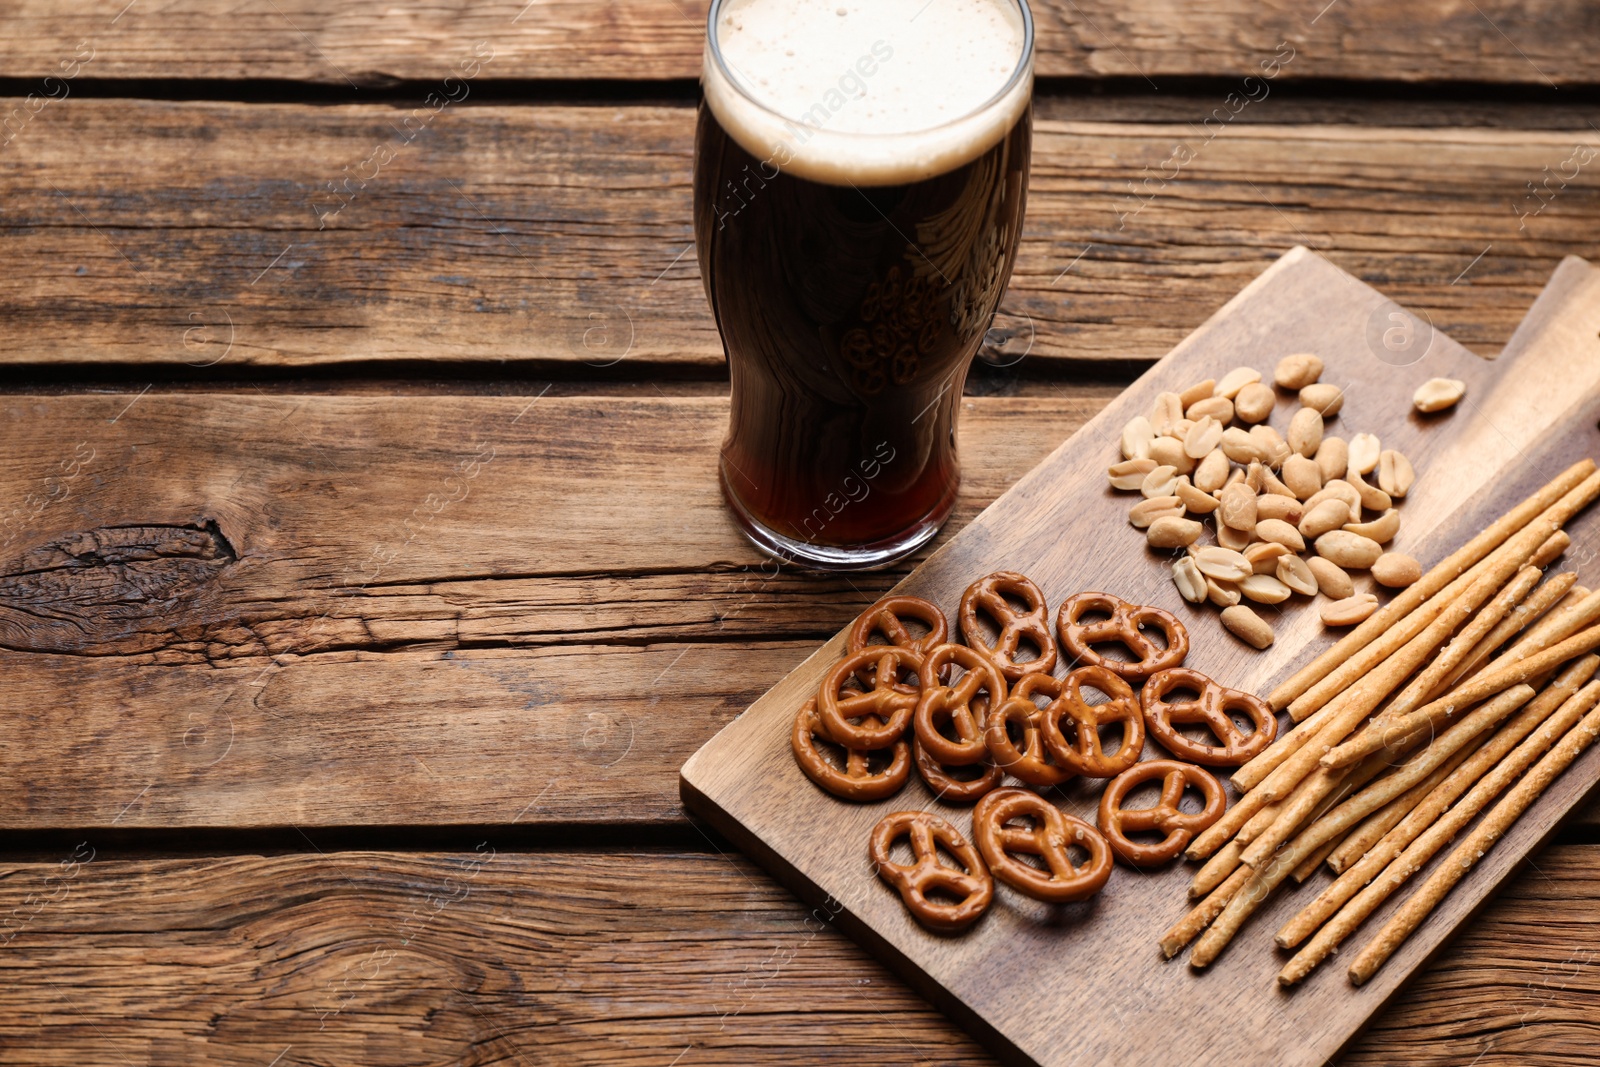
(860, 174)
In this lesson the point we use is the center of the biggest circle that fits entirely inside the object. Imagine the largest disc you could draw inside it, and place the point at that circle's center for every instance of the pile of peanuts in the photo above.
(1209, 451)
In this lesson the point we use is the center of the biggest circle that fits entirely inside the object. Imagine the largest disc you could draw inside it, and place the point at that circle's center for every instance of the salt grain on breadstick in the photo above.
(1442, 574)
(1483, 837)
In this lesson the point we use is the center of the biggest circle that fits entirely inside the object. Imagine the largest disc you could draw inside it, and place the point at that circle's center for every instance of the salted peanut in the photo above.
(1339, 489)
(1237, 540)
(1235, 477)
(1197, 392)
(1436, 394)
(1381, 529)
(1222, 564)
(1276, 449)
(1395, 473)
(1264, 556)
(1129, 474)
(1145, 512)
(1323, 517)
(1238, 508)
(1203, 437)
(1273, 506)
(1190, 582)
(1223, 594)
(1372, 498)
(1172, 532)
(1254, 402)
(1264, 589)
(1235, 380)
(1212, 472)
(1159, 482)
(1218, 407)
(1333, 458)
(1195, 499)
(1324, 397)
(1247, 626)
(1302, 476)
(1252, 475)
(1364, 453)
(1280, 532)
(1181, 428)
(1136, 438)
(1168, 451)
(1167, 410)
(1332, 581)
(1396, 570)
(1296, 573)
(1239, 446)
(1305, 432)
(1348, 550)
(1271, 485)
(1297, 371)
(1350, 610)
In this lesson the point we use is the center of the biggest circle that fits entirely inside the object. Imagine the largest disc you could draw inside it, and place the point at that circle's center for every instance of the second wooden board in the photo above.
(1085, 983)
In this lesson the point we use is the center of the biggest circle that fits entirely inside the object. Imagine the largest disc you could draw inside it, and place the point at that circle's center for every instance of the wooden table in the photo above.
(363, 578)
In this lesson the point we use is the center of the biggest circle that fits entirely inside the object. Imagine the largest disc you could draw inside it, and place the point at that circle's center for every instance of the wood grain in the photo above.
(1152, 41)
(559, 237)
(627, 958)
(1492, 452)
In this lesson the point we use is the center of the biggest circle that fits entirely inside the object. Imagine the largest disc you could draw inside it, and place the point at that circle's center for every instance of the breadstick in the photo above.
(1551, 550)
(1432, 806)
(1226, 860)
(1480, 687)
(1386, 818)
(1558, 626)
(1435, 837)
(1525, 614)
(1313, 861)
(1250, 896)
(1441, 575)
(1202, 914)
(1389, 787)
(1289, 741)
(1403, 923)
(1479, 583)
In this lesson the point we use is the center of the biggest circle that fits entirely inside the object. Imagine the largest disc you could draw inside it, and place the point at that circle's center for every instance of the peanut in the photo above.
(1297, 371)
(1339, 489)
(1395, 473)
(1332, 581)
(1181, 428)
(1247, 626)
(1254, 402)
(1237, 540)
(1190, 582)
(1305, 432)
(1333, 458)
(1239, 508)
(1271, 485)
(1129, 474)
(1218, 407)
(1324, 397)
(1437, 394)
(1167, 410)
(1295, 573)
(1236, 380)
(1264, 589)
(1381, 529)
(1302, 476)
(1280, 532)
(1396, 570)
(1197, 392)
(1276, 449)
(1235, 477)
(1364, 453)
(1222, 594)
(1146, 512)
(1212, 473)
(1237, 445)
(1324, 517)
(1222, 564)
(1264, 556)
(1195, 500)
(1372, 498)
(1169, 452)
(1170, 531)
(1348, 550)
(1136, 438)
(1159, 482)
(1203, 437)
(1286, 508)
(1350, 610)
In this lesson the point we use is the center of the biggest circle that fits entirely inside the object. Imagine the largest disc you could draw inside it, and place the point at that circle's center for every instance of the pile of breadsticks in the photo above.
(1465, 696)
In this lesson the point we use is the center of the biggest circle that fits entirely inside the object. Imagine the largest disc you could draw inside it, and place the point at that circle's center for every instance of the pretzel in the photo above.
(1126, 625)
(885, 617)
(972, 884)
(945, 784)
(1211, 710)
(1179, 826)
(959, 705)
(890, 700)
(1082, 754)
(857, 780)
(1032, 762)
(1052, 831)
(988, 594)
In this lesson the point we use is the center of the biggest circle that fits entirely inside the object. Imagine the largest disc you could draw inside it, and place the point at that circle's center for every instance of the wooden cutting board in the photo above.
(1086, 983)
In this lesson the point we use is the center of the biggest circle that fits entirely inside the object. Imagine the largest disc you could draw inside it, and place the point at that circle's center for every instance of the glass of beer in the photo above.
(860, 172)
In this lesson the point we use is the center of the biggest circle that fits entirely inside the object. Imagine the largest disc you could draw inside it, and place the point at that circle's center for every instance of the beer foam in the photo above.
(868, 92)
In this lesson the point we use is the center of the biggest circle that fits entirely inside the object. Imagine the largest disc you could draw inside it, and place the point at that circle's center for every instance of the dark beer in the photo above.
(849, 312)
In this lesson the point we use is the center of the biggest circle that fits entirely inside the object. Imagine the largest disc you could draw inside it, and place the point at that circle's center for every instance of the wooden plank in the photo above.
(630, 958)
(1530, 414)
(369, 43)
(560, 237)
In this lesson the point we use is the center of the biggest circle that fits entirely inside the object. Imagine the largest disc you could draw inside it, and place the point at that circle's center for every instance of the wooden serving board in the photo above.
(1086, 983)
